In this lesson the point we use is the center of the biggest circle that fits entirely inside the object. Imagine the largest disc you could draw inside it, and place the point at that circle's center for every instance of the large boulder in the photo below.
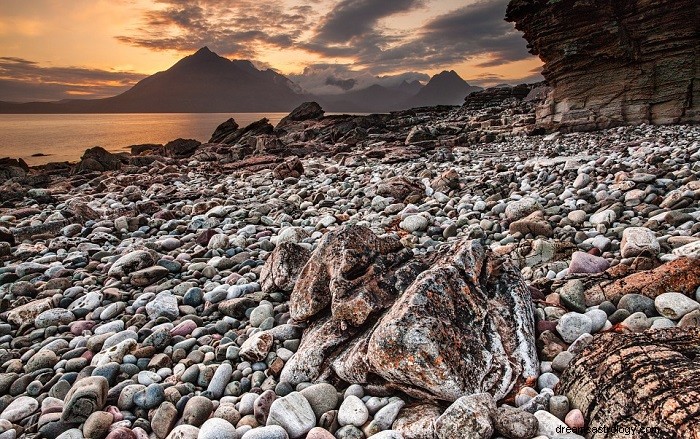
(224, 130)
(283, 266)
(98, 159)
(12, 168)
(439, 330)
(305, 111)
(646, 381)
(612, 63)
(180, 148)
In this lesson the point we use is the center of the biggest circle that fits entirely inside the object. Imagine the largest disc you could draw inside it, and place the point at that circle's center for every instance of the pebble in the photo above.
(675, 305)
(352, 411)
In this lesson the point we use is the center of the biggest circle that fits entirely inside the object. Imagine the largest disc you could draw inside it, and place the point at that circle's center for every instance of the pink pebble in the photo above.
(574, 419)
(184, 328)
(115, 412)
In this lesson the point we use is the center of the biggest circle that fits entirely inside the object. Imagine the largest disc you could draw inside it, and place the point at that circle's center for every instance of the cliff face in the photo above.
(614, 62)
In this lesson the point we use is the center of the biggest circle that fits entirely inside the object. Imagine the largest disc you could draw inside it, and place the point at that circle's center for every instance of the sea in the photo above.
(45, 138)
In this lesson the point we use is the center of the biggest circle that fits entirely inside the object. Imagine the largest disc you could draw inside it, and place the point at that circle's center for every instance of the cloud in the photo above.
(25, 80)
(325, 79)
(357, 18)
(232, 29)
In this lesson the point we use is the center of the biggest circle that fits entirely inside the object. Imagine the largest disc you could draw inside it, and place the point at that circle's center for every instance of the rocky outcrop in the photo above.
(180, 148)
(12, 168)
(98, 159)
(614, 62)
(626, 382)
(441, 329)
(305, 111)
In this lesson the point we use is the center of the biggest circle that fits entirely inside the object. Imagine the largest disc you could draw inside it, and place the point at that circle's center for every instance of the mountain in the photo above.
(446, 88)
(205, 82)
(373, 99)
(200, 83)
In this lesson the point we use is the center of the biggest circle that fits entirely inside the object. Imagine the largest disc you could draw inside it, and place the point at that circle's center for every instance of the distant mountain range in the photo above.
(208, 83)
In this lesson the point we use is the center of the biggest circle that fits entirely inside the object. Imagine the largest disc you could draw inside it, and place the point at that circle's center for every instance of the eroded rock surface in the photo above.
(614, 62)
(632, 381)
(464, 325)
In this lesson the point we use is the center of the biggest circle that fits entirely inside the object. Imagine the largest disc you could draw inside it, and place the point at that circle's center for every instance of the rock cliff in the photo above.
(614, 62)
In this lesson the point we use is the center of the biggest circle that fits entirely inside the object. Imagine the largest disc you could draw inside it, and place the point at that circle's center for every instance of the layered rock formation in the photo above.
(614, 62)
(646, 382)
(458, 325)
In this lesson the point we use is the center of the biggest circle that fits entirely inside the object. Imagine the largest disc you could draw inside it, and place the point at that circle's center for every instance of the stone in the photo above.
(534, 224)
(163, 305)
(639, 241)
(20, 408)
(184, 432)
(637, 303)
(291, 168)
(267, 432)
(417, 421)
(197, 410)
(87, 396)
(606, 82)
(352, 412)
(283, 266)
(256, 347)
(588, 264)
(469, 417)
(414, 223)
(572, 325)
(516, 210)
(675, 305)
(323, 397)
(515, 424)
(293, 413)
(408, 346)
(164, 419)
(657, 362)
(28, 311)
(216, 428)
(97, 425)
(131, 262)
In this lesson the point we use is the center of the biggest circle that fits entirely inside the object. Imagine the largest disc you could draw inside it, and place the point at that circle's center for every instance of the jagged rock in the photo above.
(446, 181)
(305, 111)
(627, 382)
(613, 63)
(180, 148)
(289, 168)
(98, 159)
(283, 266)
(224, 130)
(12, 168)
(245, 135)
(463, 326)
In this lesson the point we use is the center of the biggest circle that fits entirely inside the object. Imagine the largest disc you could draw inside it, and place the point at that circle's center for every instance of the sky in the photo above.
(58, 49)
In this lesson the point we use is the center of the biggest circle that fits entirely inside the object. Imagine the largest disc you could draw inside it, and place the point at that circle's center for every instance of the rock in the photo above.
(223, 130)
(29, 311)
(638, 241)
(534, 224)
(319, 433)
(20, 408)
(216, 428)
(637, 303)
(291, 168)
(323, 398)
(605, 83)
(164, 419)
(184, 432)
(180, 148)
(549, 425)
(219, 381)
(414, 223)
(257, 346)
(163, 305)
(468, 417)
(98, 159)
(586, 263)
(571, 295)
(572, 325)
(283, 266)
(305, 111)
(611, 388)
(293, 413)
(516, 210)
(87, 396)
(130, 262)
(681, 276)
(197, 410)
(408, 346)
(417, 421)
(675, 305)
(352, 412)
(401, 189)
(515, 424)
(97, 425)
(268, 432)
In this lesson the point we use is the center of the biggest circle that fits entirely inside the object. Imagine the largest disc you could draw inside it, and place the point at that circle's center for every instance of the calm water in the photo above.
(64, 137)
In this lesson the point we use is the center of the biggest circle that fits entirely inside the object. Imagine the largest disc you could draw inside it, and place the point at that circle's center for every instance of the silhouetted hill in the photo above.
(446, 88)
(373, 99)
(200, 83)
